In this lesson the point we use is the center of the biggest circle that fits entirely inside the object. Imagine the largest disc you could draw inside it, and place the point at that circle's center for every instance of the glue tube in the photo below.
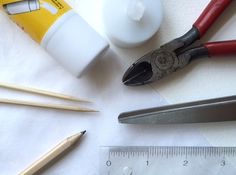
(60, 30)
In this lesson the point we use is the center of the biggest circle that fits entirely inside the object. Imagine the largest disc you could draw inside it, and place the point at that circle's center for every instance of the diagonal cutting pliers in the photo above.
(179, 52)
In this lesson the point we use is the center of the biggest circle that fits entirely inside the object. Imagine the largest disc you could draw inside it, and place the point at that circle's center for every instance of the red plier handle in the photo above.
(221, 48)
(214, 9)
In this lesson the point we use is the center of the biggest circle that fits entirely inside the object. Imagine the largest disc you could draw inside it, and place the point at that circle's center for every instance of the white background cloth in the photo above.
(27, 133)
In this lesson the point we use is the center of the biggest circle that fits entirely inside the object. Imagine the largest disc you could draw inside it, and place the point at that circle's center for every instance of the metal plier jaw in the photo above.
(161, 62)
(179, 52)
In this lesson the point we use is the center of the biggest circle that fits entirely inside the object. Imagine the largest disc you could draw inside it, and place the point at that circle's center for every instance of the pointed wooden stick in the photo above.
(53, 154)
(41, 92)
(42, 105)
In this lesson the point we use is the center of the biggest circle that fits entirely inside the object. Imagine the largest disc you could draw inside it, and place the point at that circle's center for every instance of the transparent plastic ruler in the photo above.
(168, 160)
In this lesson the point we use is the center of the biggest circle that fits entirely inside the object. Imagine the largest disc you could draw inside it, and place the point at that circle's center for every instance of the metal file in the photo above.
(213, 110)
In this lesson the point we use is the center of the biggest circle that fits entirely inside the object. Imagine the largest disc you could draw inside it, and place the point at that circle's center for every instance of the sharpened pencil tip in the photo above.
(83, 132)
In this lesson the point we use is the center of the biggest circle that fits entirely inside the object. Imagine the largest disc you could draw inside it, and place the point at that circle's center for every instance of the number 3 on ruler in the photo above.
(223, 163)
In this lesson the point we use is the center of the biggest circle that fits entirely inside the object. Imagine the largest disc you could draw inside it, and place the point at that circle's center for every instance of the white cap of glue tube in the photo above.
(73, 43)
(129, 23)
(21, 7)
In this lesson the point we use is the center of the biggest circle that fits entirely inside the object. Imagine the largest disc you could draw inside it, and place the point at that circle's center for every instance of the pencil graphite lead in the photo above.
(83, 132)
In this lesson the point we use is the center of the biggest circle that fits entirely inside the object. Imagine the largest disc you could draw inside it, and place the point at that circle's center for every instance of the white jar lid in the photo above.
(73, 43)
(129, 23)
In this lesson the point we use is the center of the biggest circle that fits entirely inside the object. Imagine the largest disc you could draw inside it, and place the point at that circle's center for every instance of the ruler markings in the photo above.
(169, 152)
(174, 152)
(186, 152)
(178, 151)
(185, 156)
(224, 153)
(204, 152)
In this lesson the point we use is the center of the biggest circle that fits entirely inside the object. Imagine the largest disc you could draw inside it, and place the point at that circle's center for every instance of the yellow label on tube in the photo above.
(35, 16)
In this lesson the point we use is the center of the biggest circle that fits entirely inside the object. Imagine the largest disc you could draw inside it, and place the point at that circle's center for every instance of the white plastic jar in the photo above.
(60, 30)
(130, 23)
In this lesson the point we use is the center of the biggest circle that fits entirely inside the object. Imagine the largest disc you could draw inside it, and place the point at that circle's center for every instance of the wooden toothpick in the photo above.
(42, 105)
(41, 92)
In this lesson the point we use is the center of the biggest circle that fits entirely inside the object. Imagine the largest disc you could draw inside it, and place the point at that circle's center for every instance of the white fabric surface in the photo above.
(27, 133)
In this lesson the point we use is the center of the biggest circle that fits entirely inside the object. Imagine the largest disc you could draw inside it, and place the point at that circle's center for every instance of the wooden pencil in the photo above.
(52, 154)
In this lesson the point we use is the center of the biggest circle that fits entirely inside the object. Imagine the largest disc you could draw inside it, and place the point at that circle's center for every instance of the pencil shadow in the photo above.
(59, 158)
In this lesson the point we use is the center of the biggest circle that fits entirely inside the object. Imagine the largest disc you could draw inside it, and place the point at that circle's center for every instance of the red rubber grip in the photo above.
(221, 48)
(214, 9)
